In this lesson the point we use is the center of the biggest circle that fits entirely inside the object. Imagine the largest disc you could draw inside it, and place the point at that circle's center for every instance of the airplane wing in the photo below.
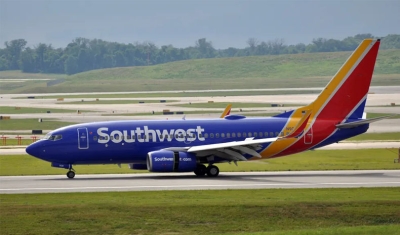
(227, 111)
(233, 151)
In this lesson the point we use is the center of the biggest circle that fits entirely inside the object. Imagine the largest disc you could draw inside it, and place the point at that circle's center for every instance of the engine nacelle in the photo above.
(137, 166)
(169, 161)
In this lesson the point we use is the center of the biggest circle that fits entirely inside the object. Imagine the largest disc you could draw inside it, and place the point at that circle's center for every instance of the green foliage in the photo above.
(266, 211)
(358, 159)
(31, 124)
(83, 54)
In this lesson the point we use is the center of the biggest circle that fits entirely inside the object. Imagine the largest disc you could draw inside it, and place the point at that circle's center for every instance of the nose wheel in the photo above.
(71, 173)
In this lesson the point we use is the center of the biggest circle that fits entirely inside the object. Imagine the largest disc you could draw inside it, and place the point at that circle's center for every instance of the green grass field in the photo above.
(180, 94)
(115, 102)
(377, 136)
(234, 104)
(160, 113)
(31, 124)
(14, 110)
(300, 70)
(267, 211)
(360, 159)
(375, 115)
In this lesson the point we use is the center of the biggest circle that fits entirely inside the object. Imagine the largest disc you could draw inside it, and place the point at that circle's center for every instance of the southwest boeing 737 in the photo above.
(196, 145)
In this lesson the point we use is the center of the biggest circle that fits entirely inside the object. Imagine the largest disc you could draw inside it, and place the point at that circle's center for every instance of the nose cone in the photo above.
(34, 149)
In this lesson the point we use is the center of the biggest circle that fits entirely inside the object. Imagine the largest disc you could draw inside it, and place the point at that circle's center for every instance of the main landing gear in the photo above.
(211, 170)
(71, 173)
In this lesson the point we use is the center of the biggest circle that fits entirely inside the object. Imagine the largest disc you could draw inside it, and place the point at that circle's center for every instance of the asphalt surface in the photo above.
(188, 181)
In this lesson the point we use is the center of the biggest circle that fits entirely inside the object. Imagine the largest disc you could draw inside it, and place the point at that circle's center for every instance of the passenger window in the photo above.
(271, 134)
(233, 134)
(223, 135)
(266, 134)
(238, 134)
(276, 134)
(244, 134)
(212, 135)
(217, 135)
(228, 135)
(260, 134)
(95, 138)
(206, 135)
(255, 134)
(111, 137)
(249, 134)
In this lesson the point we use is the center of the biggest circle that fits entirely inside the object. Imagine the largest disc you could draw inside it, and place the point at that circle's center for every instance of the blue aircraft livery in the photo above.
(196, 145)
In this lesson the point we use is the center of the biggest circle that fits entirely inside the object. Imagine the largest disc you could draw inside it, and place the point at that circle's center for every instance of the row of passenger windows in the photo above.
(206, 135)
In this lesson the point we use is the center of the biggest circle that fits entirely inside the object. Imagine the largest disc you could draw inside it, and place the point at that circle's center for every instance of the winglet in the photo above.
(227, 111)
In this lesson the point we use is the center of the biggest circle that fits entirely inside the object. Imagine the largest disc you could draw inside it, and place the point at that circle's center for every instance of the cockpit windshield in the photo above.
(52, 137)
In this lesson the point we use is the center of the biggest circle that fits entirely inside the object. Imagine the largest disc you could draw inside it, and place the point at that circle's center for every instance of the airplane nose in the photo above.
(34, 149)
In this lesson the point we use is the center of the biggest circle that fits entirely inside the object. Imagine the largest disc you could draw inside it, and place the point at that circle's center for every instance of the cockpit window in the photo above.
(47, 136)
(52, 137)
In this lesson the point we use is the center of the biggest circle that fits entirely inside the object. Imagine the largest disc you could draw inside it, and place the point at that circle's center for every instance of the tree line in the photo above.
(83, 54)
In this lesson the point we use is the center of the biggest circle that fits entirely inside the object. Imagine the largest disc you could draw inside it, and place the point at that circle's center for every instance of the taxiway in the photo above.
(188, 181)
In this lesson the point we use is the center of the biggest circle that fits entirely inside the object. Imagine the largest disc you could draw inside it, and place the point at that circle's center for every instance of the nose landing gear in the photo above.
(71, 173)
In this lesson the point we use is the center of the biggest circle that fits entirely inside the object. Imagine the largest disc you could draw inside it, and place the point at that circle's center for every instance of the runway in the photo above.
(188, 181)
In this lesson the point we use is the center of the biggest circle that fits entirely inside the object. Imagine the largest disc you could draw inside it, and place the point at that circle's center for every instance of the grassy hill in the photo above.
(301, 70)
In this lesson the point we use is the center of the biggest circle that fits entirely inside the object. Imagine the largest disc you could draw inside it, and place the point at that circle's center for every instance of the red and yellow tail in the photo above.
(342, 99)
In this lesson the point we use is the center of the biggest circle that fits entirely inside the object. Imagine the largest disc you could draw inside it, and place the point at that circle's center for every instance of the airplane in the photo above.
(189, 145)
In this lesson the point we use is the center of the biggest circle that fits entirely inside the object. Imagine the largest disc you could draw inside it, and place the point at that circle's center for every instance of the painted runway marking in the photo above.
(199, 186)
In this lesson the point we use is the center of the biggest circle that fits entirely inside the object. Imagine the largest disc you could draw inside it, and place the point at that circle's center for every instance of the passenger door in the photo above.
(83, 138)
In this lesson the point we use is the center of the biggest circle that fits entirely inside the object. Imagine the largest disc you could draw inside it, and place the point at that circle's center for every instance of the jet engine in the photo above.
(169, 161)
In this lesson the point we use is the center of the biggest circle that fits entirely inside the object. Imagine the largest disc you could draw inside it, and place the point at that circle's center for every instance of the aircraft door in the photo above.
(83, 138)
(308, 137)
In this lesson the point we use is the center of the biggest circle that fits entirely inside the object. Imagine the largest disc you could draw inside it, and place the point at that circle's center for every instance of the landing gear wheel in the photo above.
(201, 170)
(212, 171)
(70, 174)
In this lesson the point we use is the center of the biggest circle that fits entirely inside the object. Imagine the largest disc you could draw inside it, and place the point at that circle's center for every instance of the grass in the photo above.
(115, 102)
(204, 93)
(276, 211)
(15, 110)
(377, 136)
(375, 115)
(360, 159)
(161, 113)
(224, 104)
(300, 70)
(12, 140)
(31, 124)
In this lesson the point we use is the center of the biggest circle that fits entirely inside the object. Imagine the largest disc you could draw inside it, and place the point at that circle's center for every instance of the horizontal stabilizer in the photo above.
(361, 122)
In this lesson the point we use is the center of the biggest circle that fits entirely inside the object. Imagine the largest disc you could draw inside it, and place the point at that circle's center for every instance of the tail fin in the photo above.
(345, 95)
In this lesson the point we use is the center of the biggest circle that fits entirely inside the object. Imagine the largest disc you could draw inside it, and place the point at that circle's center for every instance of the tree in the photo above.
(71, 65)
(14, 49)
(205, 48)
